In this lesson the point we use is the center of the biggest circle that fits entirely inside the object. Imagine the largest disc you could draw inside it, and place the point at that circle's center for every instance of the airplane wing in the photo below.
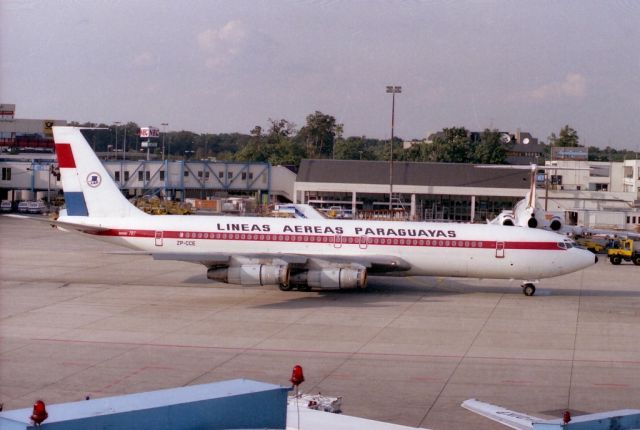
(509, 418)
(374, 264)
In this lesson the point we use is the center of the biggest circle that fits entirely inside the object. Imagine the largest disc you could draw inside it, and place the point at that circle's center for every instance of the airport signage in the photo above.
(149, 132)
(569, 153)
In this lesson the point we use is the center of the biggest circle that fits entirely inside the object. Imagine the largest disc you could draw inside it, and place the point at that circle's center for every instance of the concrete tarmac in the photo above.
(77, 321)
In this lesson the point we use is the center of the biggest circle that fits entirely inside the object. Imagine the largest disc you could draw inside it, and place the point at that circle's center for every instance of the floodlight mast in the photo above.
(164, 133)
(393, 90)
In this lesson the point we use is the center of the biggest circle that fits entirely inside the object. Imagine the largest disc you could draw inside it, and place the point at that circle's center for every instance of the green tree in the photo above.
(452, 146)
(181, 141)
(275, 147)
(354, 148)
(282, 149)
(568, 138)
(490, 149)
(320, 134)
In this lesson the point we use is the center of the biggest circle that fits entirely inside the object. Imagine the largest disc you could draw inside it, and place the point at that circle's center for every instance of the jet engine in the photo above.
(505, 218)
(331, 278)
(251, 274)
(555, 224)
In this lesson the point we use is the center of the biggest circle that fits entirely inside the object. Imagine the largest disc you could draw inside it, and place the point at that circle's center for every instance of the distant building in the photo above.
(25, 135)
(430, 191)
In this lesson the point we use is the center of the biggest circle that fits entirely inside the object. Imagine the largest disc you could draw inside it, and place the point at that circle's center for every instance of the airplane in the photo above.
(324, 254)
(525, 212)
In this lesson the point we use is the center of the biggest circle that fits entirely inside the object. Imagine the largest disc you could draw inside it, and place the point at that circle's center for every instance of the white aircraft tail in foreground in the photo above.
(304, 253)
(624, 419)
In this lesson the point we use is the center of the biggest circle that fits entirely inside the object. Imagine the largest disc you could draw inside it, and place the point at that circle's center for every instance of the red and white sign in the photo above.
(149, 132)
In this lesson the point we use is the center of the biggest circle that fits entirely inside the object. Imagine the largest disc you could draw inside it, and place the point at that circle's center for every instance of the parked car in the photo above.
(23, 207)
(36, 207)
(6, 206)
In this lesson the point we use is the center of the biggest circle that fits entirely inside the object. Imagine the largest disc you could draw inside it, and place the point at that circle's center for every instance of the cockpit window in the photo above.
(567, 244)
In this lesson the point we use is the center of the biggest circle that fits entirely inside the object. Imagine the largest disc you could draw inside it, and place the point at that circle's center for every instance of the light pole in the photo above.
(117, 123)
(164, 132)
(393, 90)
(124, 142)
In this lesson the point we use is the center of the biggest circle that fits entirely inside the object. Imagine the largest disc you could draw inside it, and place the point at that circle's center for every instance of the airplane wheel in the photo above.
(285, 287)
(615, 260)
(529, 289)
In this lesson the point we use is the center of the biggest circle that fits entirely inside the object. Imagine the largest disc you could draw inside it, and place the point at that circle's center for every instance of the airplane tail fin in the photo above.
(531, 195)
(88, 187)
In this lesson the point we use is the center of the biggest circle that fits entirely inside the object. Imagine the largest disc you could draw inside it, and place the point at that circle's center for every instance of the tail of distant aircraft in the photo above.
(88, 188)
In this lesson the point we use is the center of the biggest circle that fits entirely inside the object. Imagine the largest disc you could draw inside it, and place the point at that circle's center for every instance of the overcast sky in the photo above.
(226, 66)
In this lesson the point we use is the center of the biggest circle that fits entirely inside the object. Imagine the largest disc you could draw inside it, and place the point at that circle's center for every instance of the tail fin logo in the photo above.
(94, 179)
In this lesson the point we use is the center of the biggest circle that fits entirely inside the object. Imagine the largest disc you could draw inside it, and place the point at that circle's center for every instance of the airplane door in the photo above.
(499, 249)
(364, 242)
(337, 241)
(159, 238)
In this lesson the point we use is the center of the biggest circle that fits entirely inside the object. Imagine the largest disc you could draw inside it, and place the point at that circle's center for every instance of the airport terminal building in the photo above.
(593, 194)
(601, 194)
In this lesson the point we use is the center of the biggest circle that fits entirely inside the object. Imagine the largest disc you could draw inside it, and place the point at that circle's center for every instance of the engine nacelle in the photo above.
(507, 220)
(331, 278)
(504, 218)
(555, 224)
(251, 274)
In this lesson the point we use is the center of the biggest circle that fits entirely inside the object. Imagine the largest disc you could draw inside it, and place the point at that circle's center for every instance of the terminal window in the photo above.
(6, 173)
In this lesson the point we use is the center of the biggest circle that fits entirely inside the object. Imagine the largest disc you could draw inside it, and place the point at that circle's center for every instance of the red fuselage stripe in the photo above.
(337, 240)
(65, 156)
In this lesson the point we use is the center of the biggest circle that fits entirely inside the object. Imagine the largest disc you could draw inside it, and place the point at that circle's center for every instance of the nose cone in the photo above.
(583, 258)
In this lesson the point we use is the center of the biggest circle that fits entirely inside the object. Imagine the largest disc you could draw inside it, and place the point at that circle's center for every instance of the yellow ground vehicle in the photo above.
(625, 249)
(156, 206)
(593, 245)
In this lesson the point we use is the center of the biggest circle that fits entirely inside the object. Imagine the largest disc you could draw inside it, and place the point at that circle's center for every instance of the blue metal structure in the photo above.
(237, 404)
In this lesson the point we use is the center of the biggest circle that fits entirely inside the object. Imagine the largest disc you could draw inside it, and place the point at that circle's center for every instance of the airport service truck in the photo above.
(625, 249)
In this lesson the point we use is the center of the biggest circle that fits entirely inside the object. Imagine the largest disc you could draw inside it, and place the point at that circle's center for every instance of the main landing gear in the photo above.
(528, 289)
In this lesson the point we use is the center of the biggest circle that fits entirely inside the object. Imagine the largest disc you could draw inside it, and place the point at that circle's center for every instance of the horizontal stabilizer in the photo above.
(83, 228)
(515, 420)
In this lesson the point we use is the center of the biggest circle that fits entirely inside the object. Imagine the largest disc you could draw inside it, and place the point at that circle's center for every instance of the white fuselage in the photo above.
(431, 249)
